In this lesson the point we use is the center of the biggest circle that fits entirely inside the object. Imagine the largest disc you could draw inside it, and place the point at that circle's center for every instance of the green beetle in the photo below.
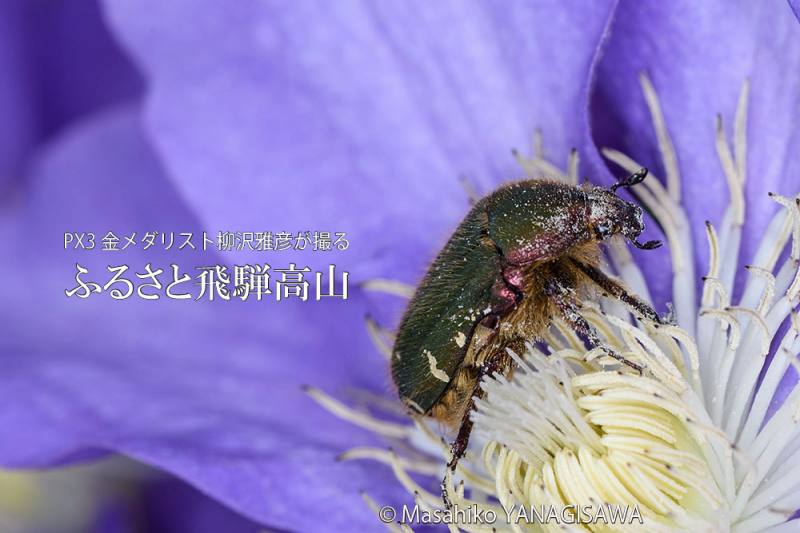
(521, 255)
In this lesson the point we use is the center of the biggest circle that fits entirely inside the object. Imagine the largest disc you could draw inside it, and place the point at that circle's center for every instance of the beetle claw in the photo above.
(634, 179)
(649, 245)
(448, 504)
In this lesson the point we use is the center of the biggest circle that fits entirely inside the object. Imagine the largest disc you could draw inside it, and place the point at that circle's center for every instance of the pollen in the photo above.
(460, 339)
(438, 373)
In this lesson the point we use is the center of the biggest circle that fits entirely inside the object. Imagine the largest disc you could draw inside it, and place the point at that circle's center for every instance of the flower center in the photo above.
(562, 437)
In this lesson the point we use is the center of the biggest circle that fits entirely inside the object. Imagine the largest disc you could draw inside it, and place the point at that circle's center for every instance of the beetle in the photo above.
(522, 254)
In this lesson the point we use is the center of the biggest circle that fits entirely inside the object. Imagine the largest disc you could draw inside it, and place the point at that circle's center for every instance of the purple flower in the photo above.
(355, 118)
(795, 7)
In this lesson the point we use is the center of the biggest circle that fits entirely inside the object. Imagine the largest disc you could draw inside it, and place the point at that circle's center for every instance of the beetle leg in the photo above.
(562, 297)
(617, 290)
(497, 361)
(507, 294)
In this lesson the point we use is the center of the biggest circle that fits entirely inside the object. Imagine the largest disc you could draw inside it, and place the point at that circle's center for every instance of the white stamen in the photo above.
(389, 286)
(426, 467)
(469, 188)
(740, 131)
(391, 526)
(733, 177)
(664, 142)
(378, 336)
(364, 420)
(572, 167)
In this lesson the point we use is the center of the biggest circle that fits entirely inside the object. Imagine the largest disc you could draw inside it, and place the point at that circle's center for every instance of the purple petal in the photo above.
(57, 63)
(203, 391)
(172, 506)
(698, 55)
(79, 68)
(17, 129)
(795, 5)
(358, 118)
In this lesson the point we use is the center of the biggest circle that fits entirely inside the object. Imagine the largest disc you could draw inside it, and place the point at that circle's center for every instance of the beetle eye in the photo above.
(602, 231)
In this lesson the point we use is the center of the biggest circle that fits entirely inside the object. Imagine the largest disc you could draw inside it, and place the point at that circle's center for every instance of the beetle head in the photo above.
(611, 215)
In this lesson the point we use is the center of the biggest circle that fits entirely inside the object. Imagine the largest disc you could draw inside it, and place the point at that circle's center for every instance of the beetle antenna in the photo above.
(649, 245)
(634, 179)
